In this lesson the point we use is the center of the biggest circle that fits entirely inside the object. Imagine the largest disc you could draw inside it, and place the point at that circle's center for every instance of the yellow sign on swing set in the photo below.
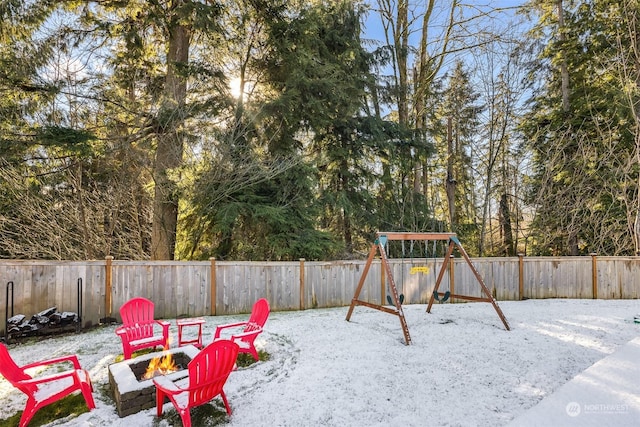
(419, 269)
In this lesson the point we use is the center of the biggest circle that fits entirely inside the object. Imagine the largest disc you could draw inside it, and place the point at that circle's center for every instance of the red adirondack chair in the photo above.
(139, 329)
(208, 372)
(251, 328)
(41, 391)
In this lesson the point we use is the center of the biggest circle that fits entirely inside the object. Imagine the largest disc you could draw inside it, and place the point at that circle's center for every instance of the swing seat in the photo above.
(444, 297)
(390, 300)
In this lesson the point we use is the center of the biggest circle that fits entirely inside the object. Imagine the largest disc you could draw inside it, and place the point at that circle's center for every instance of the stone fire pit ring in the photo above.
(132, 395)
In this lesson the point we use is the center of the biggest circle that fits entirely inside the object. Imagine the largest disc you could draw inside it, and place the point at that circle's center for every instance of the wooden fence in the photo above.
(96, 289)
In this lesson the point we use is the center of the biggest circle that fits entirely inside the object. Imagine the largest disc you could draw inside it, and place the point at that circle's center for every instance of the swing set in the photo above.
(396, 299)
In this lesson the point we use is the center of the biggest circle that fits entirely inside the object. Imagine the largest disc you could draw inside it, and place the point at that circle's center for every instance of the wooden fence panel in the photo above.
(555, 278)
(178, 289)
(262, 281)
(416, 278)
(500, 275)
(537, 278)
(93, 295)
(342, 276)
(465, 282)
(240, 284)
(227, 278)
(505, 278)
(333, 284)
(618, 277)
(317, 278)
(283, 287)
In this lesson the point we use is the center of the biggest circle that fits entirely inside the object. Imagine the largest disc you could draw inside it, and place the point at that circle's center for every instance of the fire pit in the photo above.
(131, 392)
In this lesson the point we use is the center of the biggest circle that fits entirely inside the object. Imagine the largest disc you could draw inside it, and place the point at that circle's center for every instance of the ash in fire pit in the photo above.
(132, 393)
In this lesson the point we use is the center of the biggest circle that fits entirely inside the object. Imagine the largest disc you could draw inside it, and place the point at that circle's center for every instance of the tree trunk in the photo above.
(564, 69)
(636, 228)
(346, 216)
(564, 76)
(632, 11)
(401, 40)
(170, 146)
(450, 184)
(505, 223)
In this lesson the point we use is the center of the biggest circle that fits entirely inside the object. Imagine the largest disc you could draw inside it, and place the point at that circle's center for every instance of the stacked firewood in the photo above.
(49, 321)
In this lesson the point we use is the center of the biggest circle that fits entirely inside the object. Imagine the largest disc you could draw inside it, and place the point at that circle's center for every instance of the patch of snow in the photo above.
(462, 368)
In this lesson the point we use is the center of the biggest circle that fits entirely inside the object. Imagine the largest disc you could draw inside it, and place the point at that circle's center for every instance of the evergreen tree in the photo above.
(273, 215)
(460, 109)
(578, 134)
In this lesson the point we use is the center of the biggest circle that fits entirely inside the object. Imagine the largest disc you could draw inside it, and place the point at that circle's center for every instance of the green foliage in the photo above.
(322, 72)
(74, 140)
(264, 220)
(245, 360)
(209, 414)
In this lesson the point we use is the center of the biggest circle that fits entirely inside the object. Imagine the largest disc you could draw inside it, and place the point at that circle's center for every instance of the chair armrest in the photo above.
(166, 385)
(219, 328)
(246, 334)
(69, 358)
(121, 330)
(48, 378)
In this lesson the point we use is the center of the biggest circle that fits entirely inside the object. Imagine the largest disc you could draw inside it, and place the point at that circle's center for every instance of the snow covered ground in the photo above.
(462, 368)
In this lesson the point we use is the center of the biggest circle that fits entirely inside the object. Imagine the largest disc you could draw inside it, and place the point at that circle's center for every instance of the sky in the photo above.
(373, 27)
(490, 17)
(462, 368)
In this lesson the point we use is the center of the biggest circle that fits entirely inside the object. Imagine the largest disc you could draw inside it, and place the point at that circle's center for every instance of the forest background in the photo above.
(287, 129)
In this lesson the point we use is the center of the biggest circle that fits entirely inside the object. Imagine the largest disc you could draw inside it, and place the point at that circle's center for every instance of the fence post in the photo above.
(212, 309)
(383, 284)
(594, 276)
(301, 283)
(107, 287)
(520, 276)
(452, 282)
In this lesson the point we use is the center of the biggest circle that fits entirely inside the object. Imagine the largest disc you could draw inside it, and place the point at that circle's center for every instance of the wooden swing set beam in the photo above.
(400, 235)
(467, 297)
(374, 306)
